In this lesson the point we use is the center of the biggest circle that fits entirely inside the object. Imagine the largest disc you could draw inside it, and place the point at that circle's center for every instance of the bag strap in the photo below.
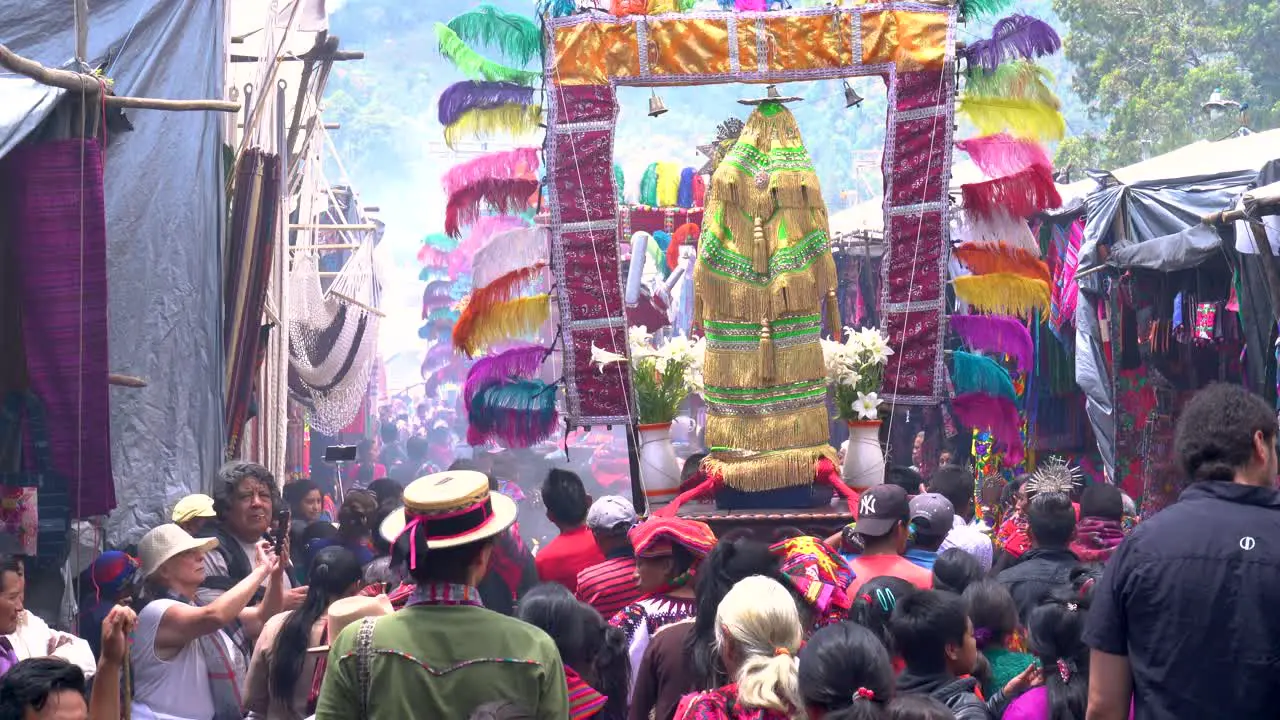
(364, 663)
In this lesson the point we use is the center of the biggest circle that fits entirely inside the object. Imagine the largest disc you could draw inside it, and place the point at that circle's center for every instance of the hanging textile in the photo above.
(54, 204)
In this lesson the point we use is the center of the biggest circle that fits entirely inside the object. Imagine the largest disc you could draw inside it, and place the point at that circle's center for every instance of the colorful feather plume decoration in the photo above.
(699, 190)
(1022, 194)
(1000, 227)
(683, 235)
(462, 97)
(620, 183)
(1017, 80)
(433, 301)
(502, 121)
(1003, 154)
(997, 414)
(521, 163)
(623, 8)
(684, 198)
(987, 258)
(557, 8)
(1016, 36)
(649, 186)
(436, 358)
(484, 229)
(517, 363)
(752, 5)
(475, 67)
(507, 252)
(660, 7)
(971, 9)
(515, 37)
(519, 318)
(657, 251)
(1003, 293)
(668, 184)
(517, 414)
(996, 334)
(975, 373)
(505, 196)
(1023, 118)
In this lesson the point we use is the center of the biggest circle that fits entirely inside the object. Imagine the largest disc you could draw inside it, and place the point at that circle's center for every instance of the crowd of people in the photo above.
(423, 601)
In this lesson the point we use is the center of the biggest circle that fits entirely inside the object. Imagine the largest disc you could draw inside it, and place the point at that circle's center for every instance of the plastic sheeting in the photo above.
(165, 210)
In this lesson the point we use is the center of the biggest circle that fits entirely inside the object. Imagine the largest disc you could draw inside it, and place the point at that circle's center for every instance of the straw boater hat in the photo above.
(453, 508)
(164, 542)
(349, 610)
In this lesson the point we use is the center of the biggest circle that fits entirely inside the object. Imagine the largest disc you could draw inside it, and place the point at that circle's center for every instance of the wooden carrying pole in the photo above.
(81, 82)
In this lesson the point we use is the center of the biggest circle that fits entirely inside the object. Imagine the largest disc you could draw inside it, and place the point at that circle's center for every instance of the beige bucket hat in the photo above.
(166, 541)
(349, 610)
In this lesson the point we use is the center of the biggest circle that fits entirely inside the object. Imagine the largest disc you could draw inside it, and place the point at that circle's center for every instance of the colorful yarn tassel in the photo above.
(515, 37)
(684, 234)
(668, 184)
(517, 363)
(997, 414)
(503, 121)
(467, 95)
(1014, 36)
(507, 252)
(1003, 154)
(619, 182)
(1017, 80)
(996, 334)
(975, 373)
(649, 186)
(517, 414)
(507, 196)
(518, 318)
(1022, 194)
(1023, 118)
(1002, 293)
(685, 197)
(475, 67)
(1001, 228)
(984, 259)
(521, 163)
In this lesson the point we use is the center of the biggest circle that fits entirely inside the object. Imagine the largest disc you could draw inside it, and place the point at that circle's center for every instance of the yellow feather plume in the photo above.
(511, 120)
(1003, 293)
(518, 318)
(1029, 119)
(668, 184)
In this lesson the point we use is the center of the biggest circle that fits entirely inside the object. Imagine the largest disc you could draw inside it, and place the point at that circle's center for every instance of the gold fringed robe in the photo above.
(763, 273)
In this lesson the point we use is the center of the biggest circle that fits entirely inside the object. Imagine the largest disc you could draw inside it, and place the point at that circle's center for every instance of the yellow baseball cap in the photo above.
(193, 506)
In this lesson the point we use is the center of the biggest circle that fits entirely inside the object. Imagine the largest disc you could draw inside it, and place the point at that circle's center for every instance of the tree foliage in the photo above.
(1147, 66)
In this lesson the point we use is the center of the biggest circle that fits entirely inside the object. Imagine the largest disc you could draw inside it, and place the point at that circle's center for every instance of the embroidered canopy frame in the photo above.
(910, 44)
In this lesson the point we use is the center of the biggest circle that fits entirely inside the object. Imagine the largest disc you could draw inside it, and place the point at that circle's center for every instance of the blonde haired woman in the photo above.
(758, 633)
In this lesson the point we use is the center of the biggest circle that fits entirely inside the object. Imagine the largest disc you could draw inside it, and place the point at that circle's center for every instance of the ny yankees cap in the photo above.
(880, 509)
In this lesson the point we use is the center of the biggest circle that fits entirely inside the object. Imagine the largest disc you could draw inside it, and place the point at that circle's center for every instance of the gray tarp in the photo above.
(1157, 199)
(165, 210)
(1179, 251)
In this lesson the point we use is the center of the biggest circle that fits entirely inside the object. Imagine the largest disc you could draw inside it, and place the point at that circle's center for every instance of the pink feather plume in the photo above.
(997, 414)
(996, 333)
(519, 362)
(506, 165)
(1003, 154)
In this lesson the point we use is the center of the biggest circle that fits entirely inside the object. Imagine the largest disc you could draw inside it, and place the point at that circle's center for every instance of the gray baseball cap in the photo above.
(932, 514)
(609, 512)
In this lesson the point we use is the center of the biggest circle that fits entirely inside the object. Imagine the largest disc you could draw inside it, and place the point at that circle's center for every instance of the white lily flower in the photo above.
(866, 406)
(639, 336)
(602, 357)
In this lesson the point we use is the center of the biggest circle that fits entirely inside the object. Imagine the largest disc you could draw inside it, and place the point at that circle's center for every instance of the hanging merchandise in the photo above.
(996, 334)
(515, 37)
(1017, 80)
(518, 164)
(999, 227)
(1022, 194)
(507, 252)
(620, 182)
(983, 259)
(668, 192)
(1016, 36)
(519, 318)
(649, 186)
(978, 374)
(485, 110)
(1023, 118)
(503, 196)
(1003, 154)
(517, 414)
(684, 198)
(973, 9)
(1003, 293)
(474, 66)
(997, 414)
(518, 363)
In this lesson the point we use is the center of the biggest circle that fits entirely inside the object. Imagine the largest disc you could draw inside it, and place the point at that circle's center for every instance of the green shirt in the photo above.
(1005, 666)
(442, 662)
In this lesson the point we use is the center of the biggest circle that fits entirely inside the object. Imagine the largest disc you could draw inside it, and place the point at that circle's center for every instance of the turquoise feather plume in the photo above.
(515, 37)
(976, 373)
(619, 181)
(649, 186)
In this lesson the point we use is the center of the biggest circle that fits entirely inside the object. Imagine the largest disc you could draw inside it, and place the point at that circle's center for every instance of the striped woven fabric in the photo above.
(609, 586)
(584, 700)
(656, 536)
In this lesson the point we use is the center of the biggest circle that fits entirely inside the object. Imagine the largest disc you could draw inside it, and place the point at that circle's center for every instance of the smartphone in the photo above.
(281, 531)
(340, 453)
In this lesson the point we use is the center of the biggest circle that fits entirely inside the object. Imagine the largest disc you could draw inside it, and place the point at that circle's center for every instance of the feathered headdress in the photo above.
(514, 36)
(1055, 475)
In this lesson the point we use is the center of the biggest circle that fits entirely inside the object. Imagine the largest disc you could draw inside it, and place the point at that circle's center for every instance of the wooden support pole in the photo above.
(81, 8)
(84, 83)
(313, 226)
(337, 56)
(326, 248)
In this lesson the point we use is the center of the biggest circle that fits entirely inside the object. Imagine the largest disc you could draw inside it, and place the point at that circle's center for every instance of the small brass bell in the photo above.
(851, 96)
(656, 107)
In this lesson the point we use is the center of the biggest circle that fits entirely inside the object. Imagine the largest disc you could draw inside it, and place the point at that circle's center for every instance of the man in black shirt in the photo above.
(1051, 522)
(1182, 620)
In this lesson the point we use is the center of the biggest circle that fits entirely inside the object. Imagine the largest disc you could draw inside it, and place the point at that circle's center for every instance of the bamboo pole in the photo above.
(81, 82)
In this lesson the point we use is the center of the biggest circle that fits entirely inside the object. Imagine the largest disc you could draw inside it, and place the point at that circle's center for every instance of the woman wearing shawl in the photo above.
(594, 654)
(668, 552)
(186, 658)
(1101, 527)
(102, 585)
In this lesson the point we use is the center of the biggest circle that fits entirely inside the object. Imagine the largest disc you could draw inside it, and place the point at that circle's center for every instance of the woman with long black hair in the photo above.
(283, 679)
(845, 674)
(596, 668)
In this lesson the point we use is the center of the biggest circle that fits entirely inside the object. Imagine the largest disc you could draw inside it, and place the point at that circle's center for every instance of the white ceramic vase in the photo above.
(659, 468)
(864, 460)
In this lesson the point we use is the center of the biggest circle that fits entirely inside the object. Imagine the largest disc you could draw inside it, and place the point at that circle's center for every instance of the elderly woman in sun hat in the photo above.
(186, 658)
(445, 653)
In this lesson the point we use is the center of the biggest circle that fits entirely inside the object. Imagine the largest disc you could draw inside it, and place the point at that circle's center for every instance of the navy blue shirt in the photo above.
(1190, 597)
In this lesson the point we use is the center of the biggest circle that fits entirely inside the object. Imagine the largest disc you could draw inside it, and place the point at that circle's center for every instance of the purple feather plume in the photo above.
(997, 414)
(996, 333)
(516, 363)
(458, 98)
(1017, 36)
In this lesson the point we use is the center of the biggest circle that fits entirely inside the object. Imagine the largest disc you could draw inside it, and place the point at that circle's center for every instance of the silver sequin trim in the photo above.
(781, 406)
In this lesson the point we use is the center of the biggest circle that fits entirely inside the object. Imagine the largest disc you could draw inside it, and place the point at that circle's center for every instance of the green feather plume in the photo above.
(619, 181)
(1020, 80)
(514, 36)
(474, 67)
(977, 373)
(649, 186)
(441, 242)
(972, 9)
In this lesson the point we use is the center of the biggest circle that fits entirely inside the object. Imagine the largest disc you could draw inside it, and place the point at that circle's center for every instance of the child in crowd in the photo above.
(995, 627)
(845, 674)
(955, 570)
(873, 607)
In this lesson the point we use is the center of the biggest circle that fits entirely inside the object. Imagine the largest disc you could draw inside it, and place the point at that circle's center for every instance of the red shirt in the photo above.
(866, 567)
(609, 586)
(567, 555)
